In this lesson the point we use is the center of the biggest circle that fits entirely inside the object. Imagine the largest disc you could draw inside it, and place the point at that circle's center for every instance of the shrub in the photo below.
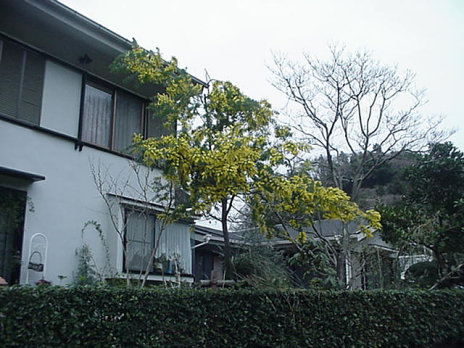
(115, 317)
(422, 274)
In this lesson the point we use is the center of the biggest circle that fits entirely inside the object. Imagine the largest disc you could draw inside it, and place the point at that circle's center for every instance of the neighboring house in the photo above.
(369, 257)
(361, 272)
(373, 263)
(208, 256)
(64, 118)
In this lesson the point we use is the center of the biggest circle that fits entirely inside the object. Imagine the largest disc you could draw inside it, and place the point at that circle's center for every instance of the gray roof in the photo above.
(326, 228)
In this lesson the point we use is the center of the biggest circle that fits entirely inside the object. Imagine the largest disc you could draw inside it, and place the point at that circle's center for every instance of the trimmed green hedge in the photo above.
(112, 317)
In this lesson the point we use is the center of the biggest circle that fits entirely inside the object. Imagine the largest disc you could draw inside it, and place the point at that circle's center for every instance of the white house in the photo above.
(64, 119)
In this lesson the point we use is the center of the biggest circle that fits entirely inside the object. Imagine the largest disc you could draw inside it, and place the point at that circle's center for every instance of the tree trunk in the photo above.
(333, 181)
(228, 266)
(341, 268)
(441, 263)
(343, 257)
(355, 190)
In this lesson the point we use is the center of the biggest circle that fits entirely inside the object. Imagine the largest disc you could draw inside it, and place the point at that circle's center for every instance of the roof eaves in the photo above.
(73, 15)
(21, 174)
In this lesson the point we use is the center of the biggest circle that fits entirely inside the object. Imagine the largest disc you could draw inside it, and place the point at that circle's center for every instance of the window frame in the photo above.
(126, 211)
(114, 91)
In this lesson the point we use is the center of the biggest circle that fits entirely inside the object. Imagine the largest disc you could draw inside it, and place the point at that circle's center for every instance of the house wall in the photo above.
(61, 99)
(64, 201)
(60, 205)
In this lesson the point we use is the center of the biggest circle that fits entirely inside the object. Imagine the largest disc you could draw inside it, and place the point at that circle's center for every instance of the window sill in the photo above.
(158, 277)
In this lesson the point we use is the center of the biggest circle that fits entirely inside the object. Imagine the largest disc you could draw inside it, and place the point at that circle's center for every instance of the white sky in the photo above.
(234, 40)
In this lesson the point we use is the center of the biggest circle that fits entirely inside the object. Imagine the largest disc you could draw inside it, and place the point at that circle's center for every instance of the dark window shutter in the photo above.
(10, 76)
(21, 82)
(31, 97)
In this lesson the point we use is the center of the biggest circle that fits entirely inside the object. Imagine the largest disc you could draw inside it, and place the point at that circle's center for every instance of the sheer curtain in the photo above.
(140, 232)
(175, 245)
(128, 120)
(96, 123)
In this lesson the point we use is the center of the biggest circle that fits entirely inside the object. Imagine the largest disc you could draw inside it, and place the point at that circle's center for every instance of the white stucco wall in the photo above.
(61, 99)
(66, 199)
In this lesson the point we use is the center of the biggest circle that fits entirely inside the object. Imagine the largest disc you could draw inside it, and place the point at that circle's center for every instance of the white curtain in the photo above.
(140, 232)
(143, 231)
(175, 245)
(128, 120)
(96, 123)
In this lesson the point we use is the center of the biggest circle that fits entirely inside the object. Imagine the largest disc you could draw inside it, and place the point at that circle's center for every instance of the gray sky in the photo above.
(234, 40)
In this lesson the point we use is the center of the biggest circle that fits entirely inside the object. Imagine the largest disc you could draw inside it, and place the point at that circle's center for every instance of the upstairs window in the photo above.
(111, 117)
(21, 82)
(96, 124)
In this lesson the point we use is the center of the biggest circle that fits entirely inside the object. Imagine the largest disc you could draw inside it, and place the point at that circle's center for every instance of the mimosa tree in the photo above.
(225, 149)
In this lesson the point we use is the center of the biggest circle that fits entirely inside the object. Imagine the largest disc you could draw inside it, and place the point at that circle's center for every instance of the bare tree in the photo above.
(356, 111)
(351, 104)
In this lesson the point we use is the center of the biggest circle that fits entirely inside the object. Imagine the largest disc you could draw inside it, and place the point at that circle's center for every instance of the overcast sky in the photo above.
(234, 40)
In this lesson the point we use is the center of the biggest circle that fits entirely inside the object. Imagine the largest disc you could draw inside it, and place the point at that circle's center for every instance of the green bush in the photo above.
(115, 317)
(422, 274)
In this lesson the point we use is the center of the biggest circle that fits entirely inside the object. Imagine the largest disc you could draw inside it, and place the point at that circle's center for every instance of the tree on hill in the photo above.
(386, 183)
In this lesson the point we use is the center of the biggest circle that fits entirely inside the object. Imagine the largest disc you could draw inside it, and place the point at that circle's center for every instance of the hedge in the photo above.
(114, 317)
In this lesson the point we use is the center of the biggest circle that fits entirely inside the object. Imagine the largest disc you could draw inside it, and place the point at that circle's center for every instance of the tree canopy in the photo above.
(432, 214)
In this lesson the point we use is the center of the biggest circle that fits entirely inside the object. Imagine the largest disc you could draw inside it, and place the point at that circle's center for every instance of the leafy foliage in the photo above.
(105, 317)
(298, 200)
(437, 179)
(422, 274)
(432, 215)
(313, 259)
(85, 273)
(258, 264)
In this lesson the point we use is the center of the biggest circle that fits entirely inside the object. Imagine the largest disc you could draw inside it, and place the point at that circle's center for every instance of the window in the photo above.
(111, 117)
(143, 235)
(21, 82)
(140, 233)
(128, 120)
